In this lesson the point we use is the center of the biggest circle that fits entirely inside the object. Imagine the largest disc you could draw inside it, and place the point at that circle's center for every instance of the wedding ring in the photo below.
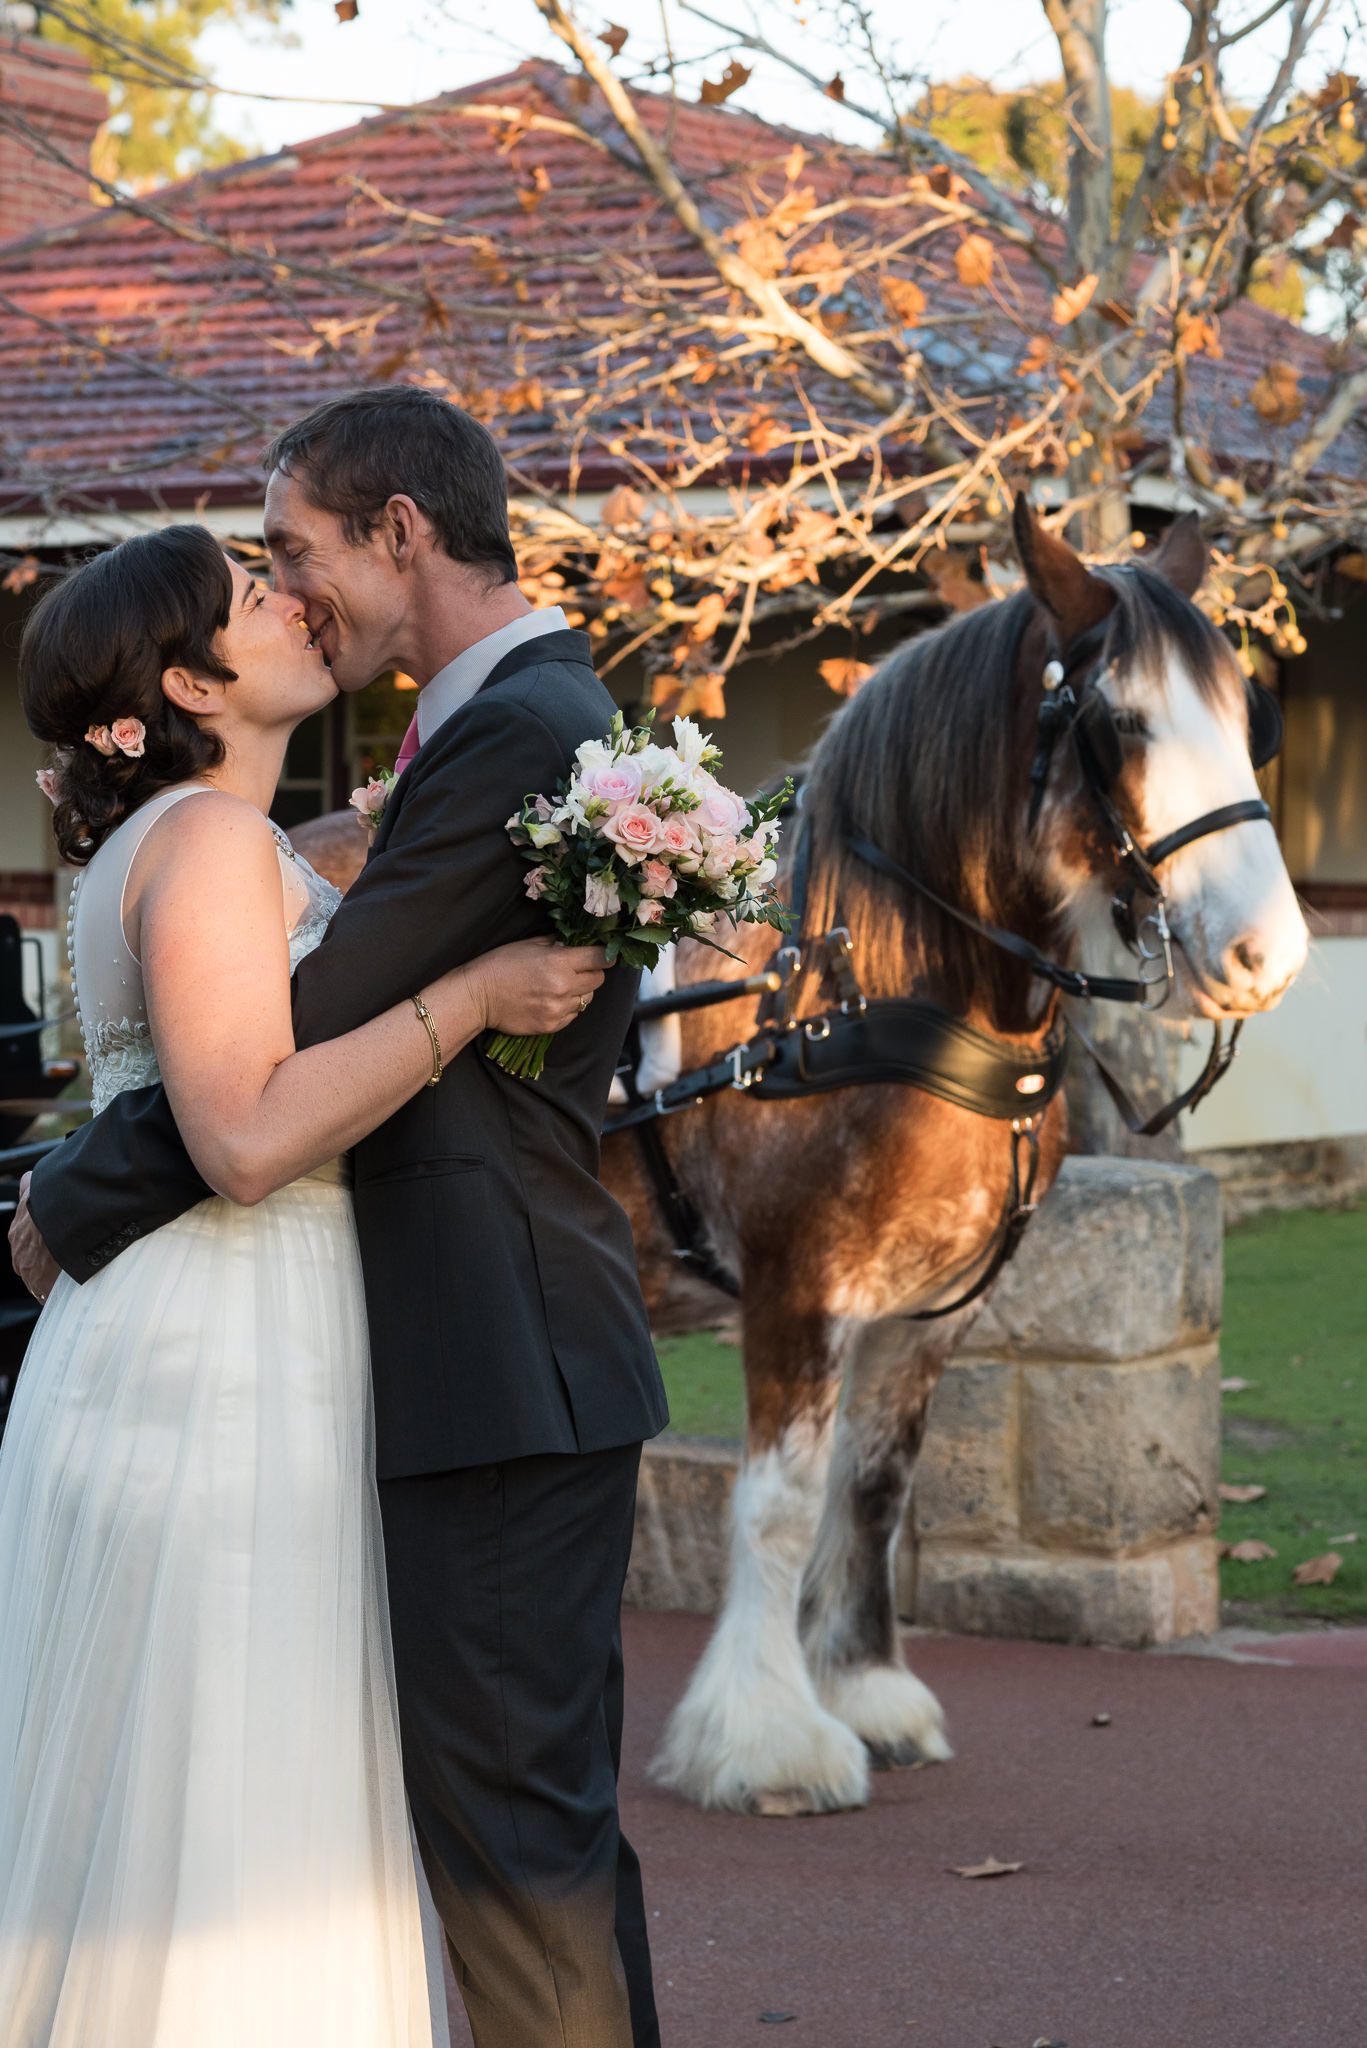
(583, 1004)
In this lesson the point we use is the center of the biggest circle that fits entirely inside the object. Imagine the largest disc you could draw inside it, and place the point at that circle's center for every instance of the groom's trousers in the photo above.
(505, 1585)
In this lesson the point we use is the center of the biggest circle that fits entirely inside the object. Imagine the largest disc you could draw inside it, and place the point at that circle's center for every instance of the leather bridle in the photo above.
(1084, 715)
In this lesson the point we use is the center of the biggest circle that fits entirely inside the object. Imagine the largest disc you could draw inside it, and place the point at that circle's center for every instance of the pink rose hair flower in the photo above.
(130, 737)
(46, 779)
(100, 738)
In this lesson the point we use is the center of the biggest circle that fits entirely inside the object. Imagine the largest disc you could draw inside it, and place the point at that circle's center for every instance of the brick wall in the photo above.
(49, 89)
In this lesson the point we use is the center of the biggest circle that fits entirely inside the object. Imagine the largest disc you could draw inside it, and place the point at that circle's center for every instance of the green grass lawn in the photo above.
(1296, 1329)
(705, 1383)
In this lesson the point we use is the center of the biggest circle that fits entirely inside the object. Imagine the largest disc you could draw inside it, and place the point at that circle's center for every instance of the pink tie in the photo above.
(410, 746)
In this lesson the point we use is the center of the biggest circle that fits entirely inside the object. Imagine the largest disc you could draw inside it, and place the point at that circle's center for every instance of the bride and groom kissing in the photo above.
(317, 1492)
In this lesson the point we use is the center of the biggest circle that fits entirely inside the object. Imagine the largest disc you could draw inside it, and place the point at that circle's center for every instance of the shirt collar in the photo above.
(455, 684)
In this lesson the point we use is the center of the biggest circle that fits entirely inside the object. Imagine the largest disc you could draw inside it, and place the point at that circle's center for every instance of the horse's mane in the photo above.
(931, 760)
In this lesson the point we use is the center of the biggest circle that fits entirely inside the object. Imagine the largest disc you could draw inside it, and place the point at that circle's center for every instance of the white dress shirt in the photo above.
(457, 683)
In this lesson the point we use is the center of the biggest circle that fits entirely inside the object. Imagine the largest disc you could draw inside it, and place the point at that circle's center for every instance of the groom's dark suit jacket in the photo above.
(505, 1315)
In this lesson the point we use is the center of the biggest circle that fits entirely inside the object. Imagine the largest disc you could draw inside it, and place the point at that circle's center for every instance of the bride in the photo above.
(203, 1834)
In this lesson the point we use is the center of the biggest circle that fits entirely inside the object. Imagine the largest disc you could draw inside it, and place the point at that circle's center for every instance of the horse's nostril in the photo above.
(1247, 956)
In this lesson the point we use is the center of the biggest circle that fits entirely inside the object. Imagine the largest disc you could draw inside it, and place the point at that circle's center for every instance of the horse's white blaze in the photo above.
(1230, 900)
(750, 1733)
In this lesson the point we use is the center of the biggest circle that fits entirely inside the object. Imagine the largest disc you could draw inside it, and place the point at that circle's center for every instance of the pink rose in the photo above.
(618, 783)
(680, 835)
(721, 855)
(371, 798)
(130, 737)
(723, 811)
(535, 883)
(636, 830)
(657, 880)
(650, 913)
(47, 781)
(100, 739)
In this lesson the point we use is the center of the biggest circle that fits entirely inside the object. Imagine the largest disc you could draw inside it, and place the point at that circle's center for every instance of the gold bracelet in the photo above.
(420, 1006)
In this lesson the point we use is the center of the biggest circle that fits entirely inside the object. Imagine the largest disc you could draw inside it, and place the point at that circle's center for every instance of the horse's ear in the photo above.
(1183, 557)
(1058, 579)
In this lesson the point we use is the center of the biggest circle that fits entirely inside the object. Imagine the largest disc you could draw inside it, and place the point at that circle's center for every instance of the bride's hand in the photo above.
(534, 986)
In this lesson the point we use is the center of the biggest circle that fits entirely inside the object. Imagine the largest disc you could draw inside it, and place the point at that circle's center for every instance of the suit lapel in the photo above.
(568, 646)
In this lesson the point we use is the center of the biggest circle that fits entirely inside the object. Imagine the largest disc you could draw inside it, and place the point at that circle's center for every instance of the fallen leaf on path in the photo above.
(1236, 1386)
(989, 1869)
(1241, 1492)
(1318, 1571)
(1251, 1551)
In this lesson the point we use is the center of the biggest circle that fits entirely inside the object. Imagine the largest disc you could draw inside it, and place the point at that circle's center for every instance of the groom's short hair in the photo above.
(354, 453)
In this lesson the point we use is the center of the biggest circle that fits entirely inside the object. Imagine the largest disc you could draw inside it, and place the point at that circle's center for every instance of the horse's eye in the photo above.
(1131, 725)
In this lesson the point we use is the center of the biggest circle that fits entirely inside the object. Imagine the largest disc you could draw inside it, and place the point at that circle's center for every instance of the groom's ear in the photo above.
(405, 529)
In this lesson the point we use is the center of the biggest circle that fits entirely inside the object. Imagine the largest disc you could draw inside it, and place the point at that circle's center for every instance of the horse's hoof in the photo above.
(898, 1756)
(795, 1803)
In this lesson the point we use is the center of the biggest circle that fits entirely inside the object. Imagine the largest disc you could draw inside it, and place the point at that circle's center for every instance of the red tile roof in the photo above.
(477, 243)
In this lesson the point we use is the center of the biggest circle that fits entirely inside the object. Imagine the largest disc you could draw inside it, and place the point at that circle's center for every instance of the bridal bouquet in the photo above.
(640, 847)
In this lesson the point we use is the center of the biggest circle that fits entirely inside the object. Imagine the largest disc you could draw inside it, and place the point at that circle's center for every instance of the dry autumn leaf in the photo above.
(836, 89)
(844, 677)
(763, 432)
(1038, 355)
(1228, 1492)
(1354, 566)
(614, 37)
(346, 10)
(21, 575)
(818, 258)
(1276, 394)
(904, 300)
(1074, 299)
(758, 245)
(1251, 1551)
(973, 261)
(1318, 1571)
(731, 80)
(623, 507)
(1200, 336)
(711, 610)
(948, 571)
(991, 1868)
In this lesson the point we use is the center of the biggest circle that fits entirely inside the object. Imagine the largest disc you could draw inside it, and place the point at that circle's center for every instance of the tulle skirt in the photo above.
(203, 1836)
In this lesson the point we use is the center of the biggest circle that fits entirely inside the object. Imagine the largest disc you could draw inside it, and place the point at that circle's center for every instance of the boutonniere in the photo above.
(370, 800)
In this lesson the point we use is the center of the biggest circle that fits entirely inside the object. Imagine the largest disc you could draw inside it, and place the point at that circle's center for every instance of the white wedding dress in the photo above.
(204, 1841)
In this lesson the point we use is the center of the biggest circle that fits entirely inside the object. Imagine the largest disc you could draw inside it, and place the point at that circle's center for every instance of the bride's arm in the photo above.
(206, 919)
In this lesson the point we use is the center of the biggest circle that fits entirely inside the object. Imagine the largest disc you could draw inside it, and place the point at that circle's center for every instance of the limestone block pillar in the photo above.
(1067, 1488)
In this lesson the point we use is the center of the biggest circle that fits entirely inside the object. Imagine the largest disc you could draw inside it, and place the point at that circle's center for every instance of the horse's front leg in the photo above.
(750, 1733)
(848, 1609)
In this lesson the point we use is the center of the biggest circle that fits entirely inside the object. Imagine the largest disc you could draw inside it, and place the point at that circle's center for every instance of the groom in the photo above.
(513, 1370)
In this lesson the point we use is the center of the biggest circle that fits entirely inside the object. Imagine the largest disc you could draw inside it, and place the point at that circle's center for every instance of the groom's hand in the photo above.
(33, 1262)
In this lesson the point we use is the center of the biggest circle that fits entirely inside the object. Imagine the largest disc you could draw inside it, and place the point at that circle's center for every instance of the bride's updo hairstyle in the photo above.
(93, 652)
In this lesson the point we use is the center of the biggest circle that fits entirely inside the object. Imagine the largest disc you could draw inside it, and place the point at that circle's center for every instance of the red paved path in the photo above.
(1195, 1873)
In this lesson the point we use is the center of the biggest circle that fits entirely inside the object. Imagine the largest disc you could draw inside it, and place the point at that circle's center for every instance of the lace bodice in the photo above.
(105, 973)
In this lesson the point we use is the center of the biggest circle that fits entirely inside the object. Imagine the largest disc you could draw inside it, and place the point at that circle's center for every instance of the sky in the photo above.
(399, 51)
